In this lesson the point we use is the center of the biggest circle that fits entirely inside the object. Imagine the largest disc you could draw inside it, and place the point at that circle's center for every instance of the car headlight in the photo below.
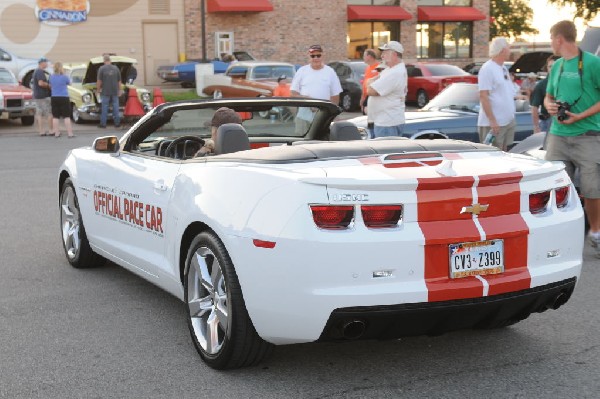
(145, 97)
(28, 103)
(86, 98)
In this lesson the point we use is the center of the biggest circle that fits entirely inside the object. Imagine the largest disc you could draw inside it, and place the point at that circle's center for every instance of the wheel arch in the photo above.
(188, 236)
(62, 177)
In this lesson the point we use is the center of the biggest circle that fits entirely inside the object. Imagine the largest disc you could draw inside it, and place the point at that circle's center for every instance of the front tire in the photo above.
(221, 329)
(75, 116)
(75, 243)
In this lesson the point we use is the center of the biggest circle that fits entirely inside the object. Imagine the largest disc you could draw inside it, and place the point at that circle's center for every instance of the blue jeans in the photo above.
(114, 101)
(385, 131)
(545, 125)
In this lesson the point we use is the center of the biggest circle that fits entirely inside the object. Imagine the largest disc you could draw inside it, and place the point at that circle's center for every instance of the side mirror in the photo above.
(107, 144)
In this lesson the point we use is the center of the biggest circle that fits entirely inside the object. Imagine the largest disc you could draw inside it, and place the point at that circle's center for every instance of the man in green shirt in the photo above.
(573, 99)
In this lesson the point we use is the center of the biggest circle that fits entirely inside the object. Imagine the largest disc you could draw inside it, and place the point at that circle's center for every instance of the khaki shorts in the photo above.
(42, 106)
(505, 137)
(578, 152)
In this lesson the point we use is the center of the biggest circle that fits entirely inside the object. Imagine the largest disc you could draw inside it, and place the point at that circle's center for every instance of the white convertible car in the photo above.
(292, 236)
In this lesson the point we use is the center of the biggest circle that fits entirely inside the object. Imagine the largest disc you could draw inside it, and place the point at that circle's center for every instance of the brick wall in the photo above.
(293, 25)
(283, 34)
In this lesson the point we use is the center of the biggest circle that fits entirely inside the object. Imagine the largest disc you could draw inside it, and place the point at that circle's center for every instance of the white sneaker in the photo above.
(595, 242)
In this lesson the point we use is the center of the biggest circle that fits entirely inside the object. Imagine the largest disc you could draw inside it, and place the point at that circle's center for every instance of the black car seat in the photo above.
(343, 131)
(231, 137)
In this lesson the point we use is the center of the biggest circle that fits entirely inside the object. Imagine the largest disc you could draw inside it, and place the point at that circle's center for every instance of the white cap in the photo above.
(393, 45)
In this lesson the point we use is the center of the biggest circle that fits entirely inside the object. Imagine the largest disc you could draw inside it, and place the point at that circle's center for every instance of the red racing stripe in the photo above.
(503, 220)
(439, 202)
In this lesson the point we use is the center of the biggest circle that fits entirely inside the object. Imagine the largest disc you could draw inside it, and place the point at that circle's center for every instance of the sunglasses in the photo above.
(315, 55)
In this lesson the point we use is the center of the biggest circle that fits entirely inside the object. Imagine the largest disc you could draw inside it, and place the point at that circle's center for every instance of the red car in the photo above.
(15, 100)
(426, 80)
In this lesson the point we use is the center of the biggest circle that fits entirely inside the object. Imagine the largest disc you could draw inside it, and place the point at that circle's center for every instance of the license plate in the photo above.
(476, 258)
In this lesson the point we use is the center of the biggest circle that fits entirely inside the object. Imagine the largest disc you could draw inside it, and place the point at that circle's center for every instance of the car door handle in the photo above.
(160, 186)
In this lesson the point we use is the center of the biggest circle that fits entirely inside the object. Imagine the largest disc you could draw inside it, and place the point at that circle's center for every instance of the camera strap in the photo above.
(579, 70)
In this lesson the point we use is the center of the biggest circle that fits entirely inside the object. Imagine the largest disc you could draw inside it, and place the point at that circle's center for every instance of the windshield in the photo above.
(272, 72)
(6, 77)
(459, 96)
(77, 75)
(445, 70)
(279, 121)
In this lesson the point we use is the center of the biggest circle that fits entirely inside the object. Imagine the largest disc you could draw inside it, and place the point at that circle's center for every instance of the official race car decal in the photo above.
(130, 211)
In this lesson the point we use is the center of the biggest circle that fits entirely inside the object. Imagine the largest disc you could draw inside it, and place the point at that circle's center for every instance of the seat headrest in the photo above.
(231, 137)
(343, 131)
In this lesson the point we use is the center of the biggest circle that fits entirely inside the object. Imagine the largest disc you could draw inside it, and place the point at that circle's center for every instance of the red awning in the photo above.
(238, 5)
(450, 14)
(377, 13)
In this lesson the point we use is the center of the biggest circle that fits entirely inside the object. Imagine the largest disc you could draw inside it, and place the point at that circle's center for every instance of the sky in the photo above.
(545, 15)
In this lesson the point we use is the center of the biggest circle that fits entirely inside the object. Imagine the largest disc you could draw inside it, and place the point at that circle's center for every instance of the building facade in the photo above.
(158, 32)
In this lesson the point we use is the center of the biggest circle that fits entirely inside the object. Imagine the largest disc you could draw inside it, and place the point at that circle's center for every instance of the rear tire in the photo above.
(75, 243)
(346, 101)
(221, 329)
(422, 98)
(27, 79)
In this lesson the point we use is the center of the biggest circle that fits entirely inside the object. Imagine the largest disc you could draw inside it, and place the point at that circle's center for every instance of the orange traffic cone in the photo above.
(158, 97)
(133, 106)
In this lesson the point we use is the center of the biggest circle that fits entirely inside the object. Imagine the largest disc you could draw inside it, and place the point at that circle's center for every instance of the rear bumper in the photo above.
(433, 318)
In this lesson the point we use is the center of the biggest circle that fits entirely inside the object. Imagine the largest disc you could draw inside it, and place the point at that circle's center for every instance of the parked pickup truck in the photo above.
(22, 68)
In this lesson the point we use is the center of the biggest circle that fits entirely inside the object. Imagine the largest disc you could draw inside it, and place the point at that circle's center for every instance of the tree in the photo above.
(511, 18)
(586, 9)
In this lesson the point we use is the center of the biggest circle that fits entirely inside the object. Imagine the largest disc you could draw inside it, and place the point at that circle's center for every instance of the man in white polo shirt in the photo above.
(387, 92)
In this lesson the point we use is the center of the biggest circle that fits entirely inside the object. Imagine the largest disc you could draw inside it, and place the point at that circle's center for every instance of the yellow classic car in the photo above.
(85, 104)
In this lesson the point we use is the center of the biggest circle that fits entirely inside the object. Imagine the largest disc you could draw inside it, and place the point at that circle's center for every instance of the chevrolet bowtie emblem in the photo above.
(474, 209)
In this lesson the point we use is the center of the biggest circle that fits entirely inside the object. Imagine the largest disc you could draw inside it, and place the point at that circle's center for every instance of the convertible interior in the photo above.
(179, 130)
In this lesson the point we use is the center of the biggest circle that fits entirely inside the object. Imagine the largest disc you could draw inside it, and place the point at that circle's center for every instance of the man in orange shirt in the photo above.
(370, 58)
(283, 87)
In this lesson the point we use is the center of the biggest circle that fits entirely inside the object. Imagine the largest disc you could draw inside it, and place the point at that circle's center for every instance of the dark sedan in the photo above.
(351, 75)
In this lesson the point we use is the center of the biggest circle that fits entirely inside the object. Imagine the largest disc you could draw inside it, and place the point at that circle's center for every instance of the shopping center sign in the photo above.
(60, 12)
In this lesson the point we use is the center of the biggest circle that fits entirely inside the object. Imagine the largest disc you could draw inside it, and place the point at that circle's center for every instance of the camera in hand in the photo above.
(563, 107)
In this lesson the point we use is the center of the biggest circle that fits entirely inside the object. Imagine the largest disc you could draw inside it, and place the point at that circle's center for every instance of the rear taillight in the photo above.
(562, 196)
(381, 216)
(538, 201)
(332, 217)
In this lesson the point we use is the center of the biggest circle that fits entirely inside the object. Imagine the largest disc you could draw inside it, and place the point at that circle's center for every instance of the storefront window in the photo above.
(462, 3)
(444, 39)
(364, 35)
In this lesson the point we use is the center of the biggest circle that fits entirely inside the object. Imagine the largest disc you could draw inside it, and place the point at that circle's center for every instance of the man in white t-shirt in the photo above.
(497, 96)
(315, 80)
(387, 92)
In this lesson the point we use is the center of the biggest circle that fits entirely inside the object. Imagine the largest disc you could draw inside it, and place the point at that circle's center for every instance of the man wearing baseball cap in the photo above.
(41, 97)
(387, 92)
(315, 80)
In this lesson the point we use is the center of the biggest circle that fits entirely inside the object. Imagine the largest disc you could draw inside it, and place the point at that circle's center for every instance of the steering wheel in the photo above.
(173, 145)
